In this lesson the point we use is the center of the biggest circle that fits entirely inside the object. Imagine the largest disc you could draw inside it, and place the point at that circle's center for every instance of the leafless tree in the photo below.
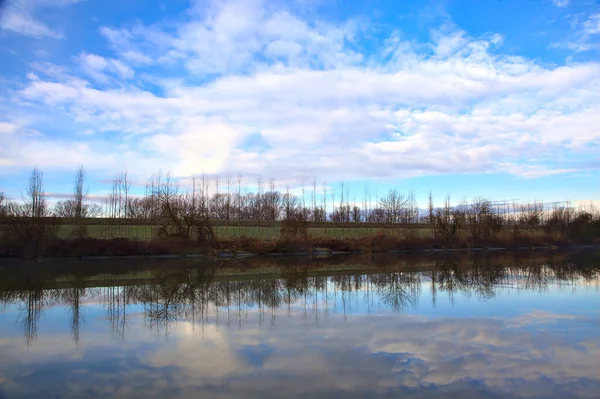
(258, 202)
(239, 203)
(139, 208)
(180, 215)
(36, 203)
(3, 206)
(228, 204)
(324, 211)
(291, 205)
(69, 209)
(356, 214)
(395, 206)
(431, 218)
(481, 219)
(314, 199)
(559, 219)
(33, 229)
(449, 220)
(79, 197)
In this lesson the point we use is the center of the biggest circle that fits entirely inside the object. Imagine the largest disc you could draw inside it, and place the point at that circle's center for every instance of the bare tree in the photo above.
(259, 195)
(481, 220)
(395, 206)
(180, 215)
(112, 203)
(559, 219)
(324, 210)
(449, 220)
(38, 230)
(356, 214)
(68, 209)
(291, 205)
(139, 208)
(332, 199)
(35, 200)
(314, 199)
(239, 204)
(228, 205)
(79, 196)
(341, 208)
(431, 221)
(3, 206)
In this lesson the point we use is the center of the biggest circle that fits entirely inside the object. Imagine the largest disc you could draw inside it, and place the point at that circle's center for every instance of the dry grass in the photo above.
(147, 232)
(138, 240)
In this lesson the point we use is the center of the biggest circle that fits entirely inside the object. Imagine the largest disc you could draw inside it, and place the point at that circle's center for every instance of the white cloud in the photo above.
(7, 128)
(229, 36)
(561, 3)
(20, 17)
(96, 67)
(583, 36)
(301, 87)
(592, 25)
(26, 25)
(136, 58)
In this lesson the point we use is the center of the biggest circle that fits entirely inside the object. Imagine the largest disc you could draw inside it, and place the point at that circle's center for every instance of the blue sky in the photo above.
(499, 98)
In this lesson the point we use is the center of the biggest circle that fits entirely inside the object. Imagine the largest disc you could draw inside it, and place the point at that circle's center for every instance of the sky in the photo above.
(494, 98)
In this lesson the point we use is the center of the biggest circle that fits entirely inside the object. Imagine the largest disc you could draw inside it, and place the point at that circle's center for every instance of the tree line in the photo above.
(188, 211)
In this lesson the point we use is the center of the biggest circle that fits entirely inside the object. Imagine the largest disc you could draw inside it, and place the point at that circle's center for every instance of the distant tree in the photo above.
(139, 208)
(3, 207)
(35, 230)
(71, 209)
(431, 220)
(291, 205)
(356, 214)
(35, 200)
(449, 220)
(79, 196)
(377, 215)
(395, 206)
(180, 214)
(271, 205)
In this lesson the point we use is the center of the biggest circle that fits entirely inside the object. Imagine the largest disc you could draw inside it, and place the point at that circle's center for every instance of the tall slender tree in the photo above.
(79, 197)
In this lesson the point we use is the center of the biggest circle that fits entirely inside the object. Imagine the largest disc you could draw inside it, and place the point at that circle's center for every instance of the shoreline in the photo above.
(229, 254)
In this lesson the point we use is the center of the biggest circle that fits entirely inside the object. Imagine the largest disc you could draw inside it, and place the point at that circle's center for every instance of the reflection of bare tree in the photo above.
(188, 298)
(479, 277)
(115, 300)
(398, 290)
(30, 314)
(200, 295)
(73, 297)
(160, 306)
(295, 285)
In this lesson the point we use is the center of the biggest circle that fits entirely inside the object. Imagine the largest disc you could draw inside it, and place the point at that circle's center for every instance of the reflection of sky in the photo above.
(505, 302)
(515, 344)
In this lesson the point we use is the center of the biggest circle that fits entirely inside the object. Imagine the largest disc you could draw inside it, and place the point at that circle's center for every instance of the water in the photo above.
(512, 325)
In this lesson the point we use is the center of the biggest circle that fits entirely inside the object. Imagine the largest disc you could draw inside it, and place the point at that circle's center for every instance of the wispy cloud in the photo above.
(22, 17)
(584, 36)
(561, 3)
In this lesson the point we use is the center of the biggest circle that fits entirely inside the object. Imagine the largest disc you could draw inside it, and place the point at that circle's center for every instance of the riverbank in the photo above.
(131, 270)
(251, 246)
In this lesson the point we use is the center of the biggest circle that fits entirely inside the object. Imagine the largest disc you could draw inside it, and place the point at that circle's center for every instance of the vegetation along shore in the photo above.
(214, 216)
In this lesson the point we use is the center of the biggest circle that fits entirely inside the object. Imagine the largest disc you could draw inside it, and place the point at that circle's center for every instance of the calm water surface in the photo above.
(508, 326)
